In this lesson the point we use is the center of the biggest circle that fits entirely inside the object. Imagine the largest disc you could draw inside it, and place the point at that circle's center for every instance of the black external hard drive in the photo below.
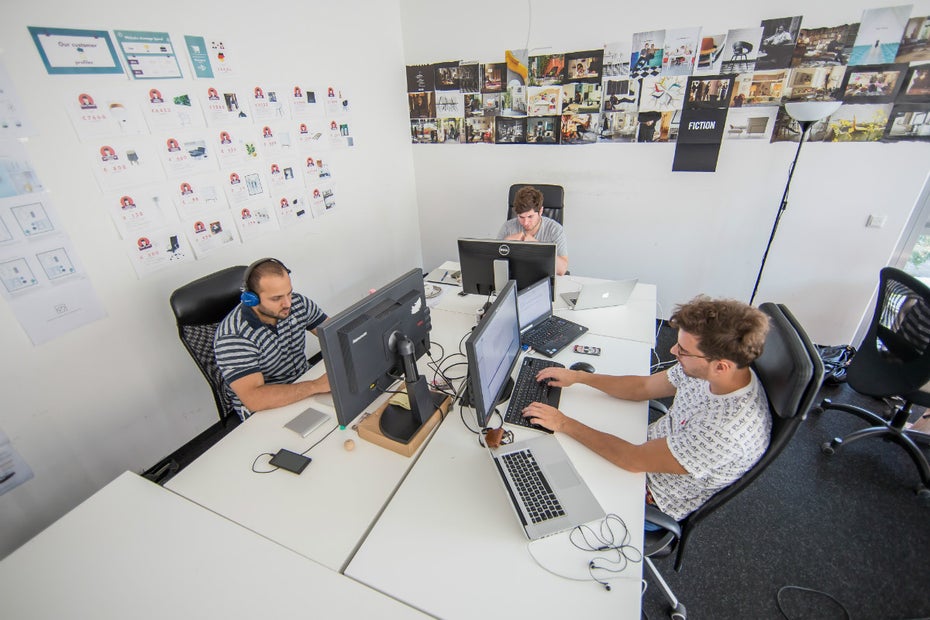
(291, 461)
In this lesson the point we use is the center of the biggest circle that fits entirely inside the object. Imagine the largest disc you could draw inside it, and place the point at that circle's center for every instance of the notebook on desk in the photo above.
(600, 294)
(545, 490)
(539, 327)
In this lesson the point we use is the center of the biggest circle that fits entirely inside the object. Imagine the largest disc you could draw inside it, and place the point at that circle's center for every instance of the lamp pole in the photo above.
(806, 113)
(805, 126)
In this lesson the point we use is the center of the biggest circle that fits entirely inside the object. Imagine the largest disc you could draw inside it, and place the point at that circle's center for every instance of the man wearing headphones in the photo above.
(260, 344)
(531, 225)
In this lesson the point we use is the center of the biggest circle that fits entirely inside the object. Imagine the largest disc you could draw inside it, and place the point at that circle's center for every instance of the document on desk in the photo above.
(445, 276)
(13, 469)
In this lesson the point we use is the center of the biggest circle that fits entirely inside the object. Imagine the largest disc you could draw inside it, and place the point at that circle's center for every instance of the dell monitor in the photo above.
(527, 262)
(370, 345)
(492, 350)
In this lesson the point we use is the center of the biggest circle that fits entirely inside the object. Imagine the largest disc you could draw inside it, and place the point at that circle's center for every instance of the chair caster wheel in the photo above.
(679, 613)
(923, 494)
(828, 448)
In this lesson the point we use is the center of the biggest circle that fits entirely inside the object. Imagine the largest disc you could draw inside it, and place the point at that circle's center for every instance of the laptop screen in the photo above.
(534, 304)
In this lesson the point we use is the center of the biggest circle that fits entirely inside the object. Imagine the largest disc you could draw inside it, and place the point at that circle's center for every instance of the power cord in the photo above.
(304, 453)
(810, 590)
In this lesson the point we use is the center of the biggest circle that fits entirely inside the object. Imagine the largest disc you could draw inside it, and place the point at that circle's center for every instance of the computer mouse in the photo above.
(582, 366)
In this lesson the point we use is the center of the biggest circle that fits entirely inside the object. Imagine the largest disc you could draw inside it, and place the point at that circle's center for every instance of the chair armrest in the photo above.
(654, 515)
(657, 407)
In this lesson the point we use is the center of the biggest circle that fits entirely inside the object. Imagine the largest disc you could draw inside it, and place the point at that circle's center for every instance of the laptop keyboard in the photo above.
(552, 335)
(532, 487)
(527, 390)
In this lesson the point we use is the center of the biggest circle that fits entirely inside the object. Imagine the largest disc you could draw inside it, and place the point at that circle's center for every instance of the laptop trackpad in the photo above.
(563, 475)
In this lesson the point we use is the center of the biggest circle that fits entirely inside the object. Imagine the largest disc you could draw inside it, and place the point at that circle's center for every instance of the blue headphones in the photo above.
(247, 296)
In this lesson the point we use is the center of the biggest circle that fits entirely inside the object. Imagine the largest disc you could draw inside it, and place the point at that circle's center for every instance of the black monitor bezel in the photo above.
(349, 405)
(529, 262)
(476, 389)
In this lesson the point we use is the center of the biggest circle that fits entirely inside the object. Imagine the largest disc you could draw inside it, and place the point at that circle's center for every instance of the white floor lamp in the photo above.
(806, 113)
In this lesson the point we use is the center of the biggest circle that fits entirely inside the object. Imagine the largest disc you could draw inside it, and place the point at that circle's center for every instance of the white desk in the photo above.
(136, 550)
(324, 512)
(446, 535)
(634, 320)
(450, 545)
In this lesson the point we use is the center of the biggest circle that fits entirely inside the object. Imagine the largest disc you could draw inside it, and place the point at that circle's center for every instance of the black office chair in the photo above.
(553, 200)
(199, 306)
(791, 371)
(893, 361)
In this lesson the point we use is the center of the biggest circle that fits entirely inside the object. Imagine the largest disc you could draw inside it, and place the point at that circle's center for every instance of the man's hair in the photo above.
(527, 199)
(725, 328)
(268, 267)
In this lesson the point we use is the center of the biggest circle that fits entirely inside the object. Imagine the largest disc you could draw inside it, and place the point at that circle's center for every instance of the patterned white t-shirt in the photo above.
(716, 438)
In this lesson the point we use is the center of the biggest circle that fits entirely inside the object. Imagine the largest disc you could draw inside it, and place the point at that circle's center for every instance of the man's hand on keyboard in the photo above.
(545, 415)
(558, 377)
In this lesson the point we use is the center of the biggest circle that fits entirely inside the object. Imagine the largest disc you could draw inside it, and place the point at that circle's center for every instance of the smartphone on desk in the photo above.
(586, 350)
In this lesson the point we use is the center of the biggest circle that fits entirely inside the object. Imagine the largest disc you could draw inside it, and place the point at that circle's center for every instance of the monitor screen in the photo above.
(534, 304)
(360, 344)
(492, 350)
(528, 263)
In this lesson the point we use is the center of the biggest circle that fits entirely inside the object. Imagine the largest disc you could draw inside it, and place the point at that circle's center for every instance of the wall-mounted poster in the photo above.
(879, 35)
(703, 121)
(915, 44)
(872, 83)
(647, 53)
(71, 51)
(149, 55)
(779, 37)
(209, 56)
(681, 47)
(819, 47)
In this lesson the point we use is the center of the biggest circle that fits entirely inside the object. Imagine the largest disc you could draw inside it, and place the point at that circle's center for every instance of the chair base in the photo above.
(677, 611)
(892, 430)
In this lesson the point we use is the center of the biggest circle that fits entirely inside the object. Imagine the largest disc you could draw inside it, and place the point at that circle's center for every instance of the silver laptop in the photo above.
(575, 504)
(305, 423)
(600, 294)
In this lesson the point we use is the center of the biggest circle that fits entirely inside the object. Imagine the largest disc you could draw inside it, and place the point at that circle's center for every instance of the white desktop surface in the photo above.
(321, 513)
(634, 320)
(449, 543)
(136, 550)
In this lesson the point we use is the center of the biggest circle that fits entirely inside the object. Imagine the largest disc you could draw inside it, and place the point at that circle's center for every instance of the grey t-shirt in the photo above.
(549, 232)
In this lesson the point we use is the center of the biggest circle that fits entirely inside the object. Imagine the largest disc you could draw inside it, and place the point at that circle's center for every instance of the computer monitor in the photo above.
(373, 343)
(527, 262)
(492, 350)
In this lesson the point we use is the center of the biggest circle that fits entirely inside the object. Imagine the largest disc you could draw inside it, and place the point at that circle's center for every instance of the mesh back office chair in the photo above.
(791, 371)
(553, 200)
(893, 361)
(199, 306)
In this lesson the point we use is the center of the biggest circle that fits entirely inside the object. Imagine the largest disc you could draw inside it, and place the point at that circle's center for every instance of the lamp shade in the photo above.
(811, 110)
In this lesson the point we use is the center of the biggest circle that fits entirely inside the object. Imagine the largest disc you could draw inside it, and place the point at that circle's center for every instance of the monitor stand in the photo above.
(398, 423)
(402, 424)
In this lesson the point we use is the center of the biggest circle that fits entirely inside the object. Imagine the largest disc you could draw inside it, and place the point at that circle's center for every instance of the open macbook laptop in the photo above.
(600, 294)
(558, 501)
(539, 328)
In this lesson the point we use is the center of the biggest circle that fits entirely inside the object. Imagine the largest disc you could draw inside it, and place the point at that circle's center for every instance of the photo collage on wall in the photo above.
(639, 91)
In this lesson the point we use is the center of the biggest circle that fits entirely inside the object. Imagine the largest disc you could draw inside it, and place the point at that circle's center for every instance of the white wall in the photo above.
(122, 393)
(628, 214)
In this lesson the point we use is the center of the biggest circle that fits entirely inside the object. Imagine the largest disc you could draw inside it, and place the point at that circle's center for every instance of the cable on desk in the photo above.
(612, 535)
(304, 453)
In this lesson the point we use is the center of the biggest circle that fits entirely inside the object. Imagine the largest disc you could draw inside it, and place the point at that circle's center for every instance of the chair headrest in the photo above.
(208, 299)
(786, 367)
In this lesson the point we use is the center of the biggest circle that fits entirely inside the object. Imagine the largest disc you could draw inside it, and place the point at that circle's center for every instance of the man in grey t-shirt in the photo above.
(531, 225)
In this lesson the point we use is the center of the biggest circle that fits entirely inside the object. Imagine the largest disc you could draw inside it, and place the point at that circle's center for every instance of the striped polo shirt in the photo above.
(244, 345)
